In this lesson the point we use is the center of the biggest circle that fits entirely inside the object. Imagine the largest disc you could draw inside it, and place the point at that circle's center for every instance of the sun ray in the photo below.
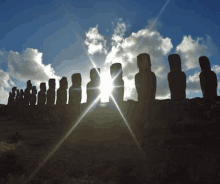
(119, 110)
(61, 141)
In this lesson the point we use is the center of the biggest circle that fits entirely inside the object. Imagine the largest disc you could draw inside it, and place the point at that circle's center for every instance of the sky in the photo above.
(53, 39)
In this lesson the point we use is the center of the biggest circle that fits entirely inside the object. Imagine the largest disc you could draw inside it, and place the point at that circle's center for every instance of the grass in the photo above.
(105, 152)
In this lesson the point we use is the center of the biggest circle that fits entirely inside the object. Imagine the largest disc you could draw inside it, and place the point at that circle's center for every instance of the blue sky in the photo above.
(50, 39)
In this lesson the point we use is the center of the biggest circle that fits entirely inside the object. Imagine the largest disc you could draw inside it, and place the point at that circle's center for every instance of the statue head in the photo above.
(52, 83)
(63, 83)
(29, 85)
(14, 89)
(143, 62)
(204, 63)
(34, 90)
(174, 62)
(21, 92)
(43, 86)
(116, 70)
(94, 74)
(76, 80)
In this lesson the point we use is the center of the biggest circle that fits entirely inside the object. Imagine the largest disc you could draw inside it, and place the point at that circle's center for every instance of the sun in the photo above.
(106, 87)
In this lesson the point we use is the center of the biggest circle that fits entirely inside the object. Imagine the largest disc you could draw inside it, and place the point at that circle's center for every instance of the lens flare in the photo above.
(119, 110)
(61, 141)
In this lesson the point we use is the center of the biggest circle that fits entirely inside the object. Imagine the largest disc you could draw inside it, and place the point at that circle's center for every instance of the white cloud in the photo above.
(119, 32)
(216, 69)
(29, 66)
(5, 82)
(95, 41)
(193, 83)
(190, 50)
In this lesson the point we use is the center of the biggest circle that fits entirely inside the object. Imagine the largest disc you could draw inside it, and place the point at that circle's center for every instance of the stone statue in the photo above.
(117, 83)
(10, 99)
(75, 91)
(75, 96)
(61, 92)
(208, 79)
(51, 92)
(33, 96)
(176, 78)
(93, 87)
(145, 80)
(42, 94)
(27, 95)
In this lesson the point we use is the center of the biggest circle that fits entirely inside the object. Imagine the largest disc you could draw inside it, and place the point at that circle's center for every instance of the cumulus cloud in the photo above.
(29, 66)
(95, 41)
(5, 82)
(193, 83)
(190, 50)
(119, 32)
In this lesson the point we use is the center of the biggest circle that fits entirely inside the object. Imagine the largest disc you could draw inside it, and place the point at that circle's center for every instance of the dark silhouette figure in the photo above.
(17, 97)
(176, 78)
(51, 92)
(117, 83)
(27, 95)
(75, 96)
(75, 91)
(93, 87)
(61, 92)
(208, 79)
(33, 96)
(41, 100)
(145, 80)
(20, 104)
(10, 99)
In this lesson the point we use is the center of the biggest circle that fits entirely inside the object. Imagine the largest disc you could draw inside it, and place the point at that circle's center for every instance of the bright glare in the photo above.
(106, 87)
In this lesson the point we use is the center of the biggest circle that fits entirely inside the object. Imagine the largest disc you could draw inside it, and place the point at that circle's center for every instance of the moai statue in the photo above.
(208, 79)
(27, 94)
(33, 98)
(75, 91)
(17, 97)
(41, 99)
(51, 92)
(145, 80)
(93, 87)
(117, 83)
(21, 99)
(10, 99)
(14, 95)
(75, 95)
(61, 92)
(176, 78)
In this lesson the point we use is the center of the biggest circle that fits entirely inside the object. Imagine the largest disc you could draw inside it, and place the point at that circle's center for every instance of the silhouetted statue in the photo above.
(145, 80)
(176, 78)
(117, 83)
(10, 99)
(93, 87)
(27, 95)
(75, 95)
(41, 100)
(75, 91)
(21, 99)
(208, 79)
(61, 92)
(33, 96)
(51, 92)
(17, 96)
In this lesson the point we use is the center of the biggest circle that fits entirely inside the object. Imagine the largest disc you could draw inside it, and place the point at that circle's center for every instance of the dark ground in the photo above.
(101, 150)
